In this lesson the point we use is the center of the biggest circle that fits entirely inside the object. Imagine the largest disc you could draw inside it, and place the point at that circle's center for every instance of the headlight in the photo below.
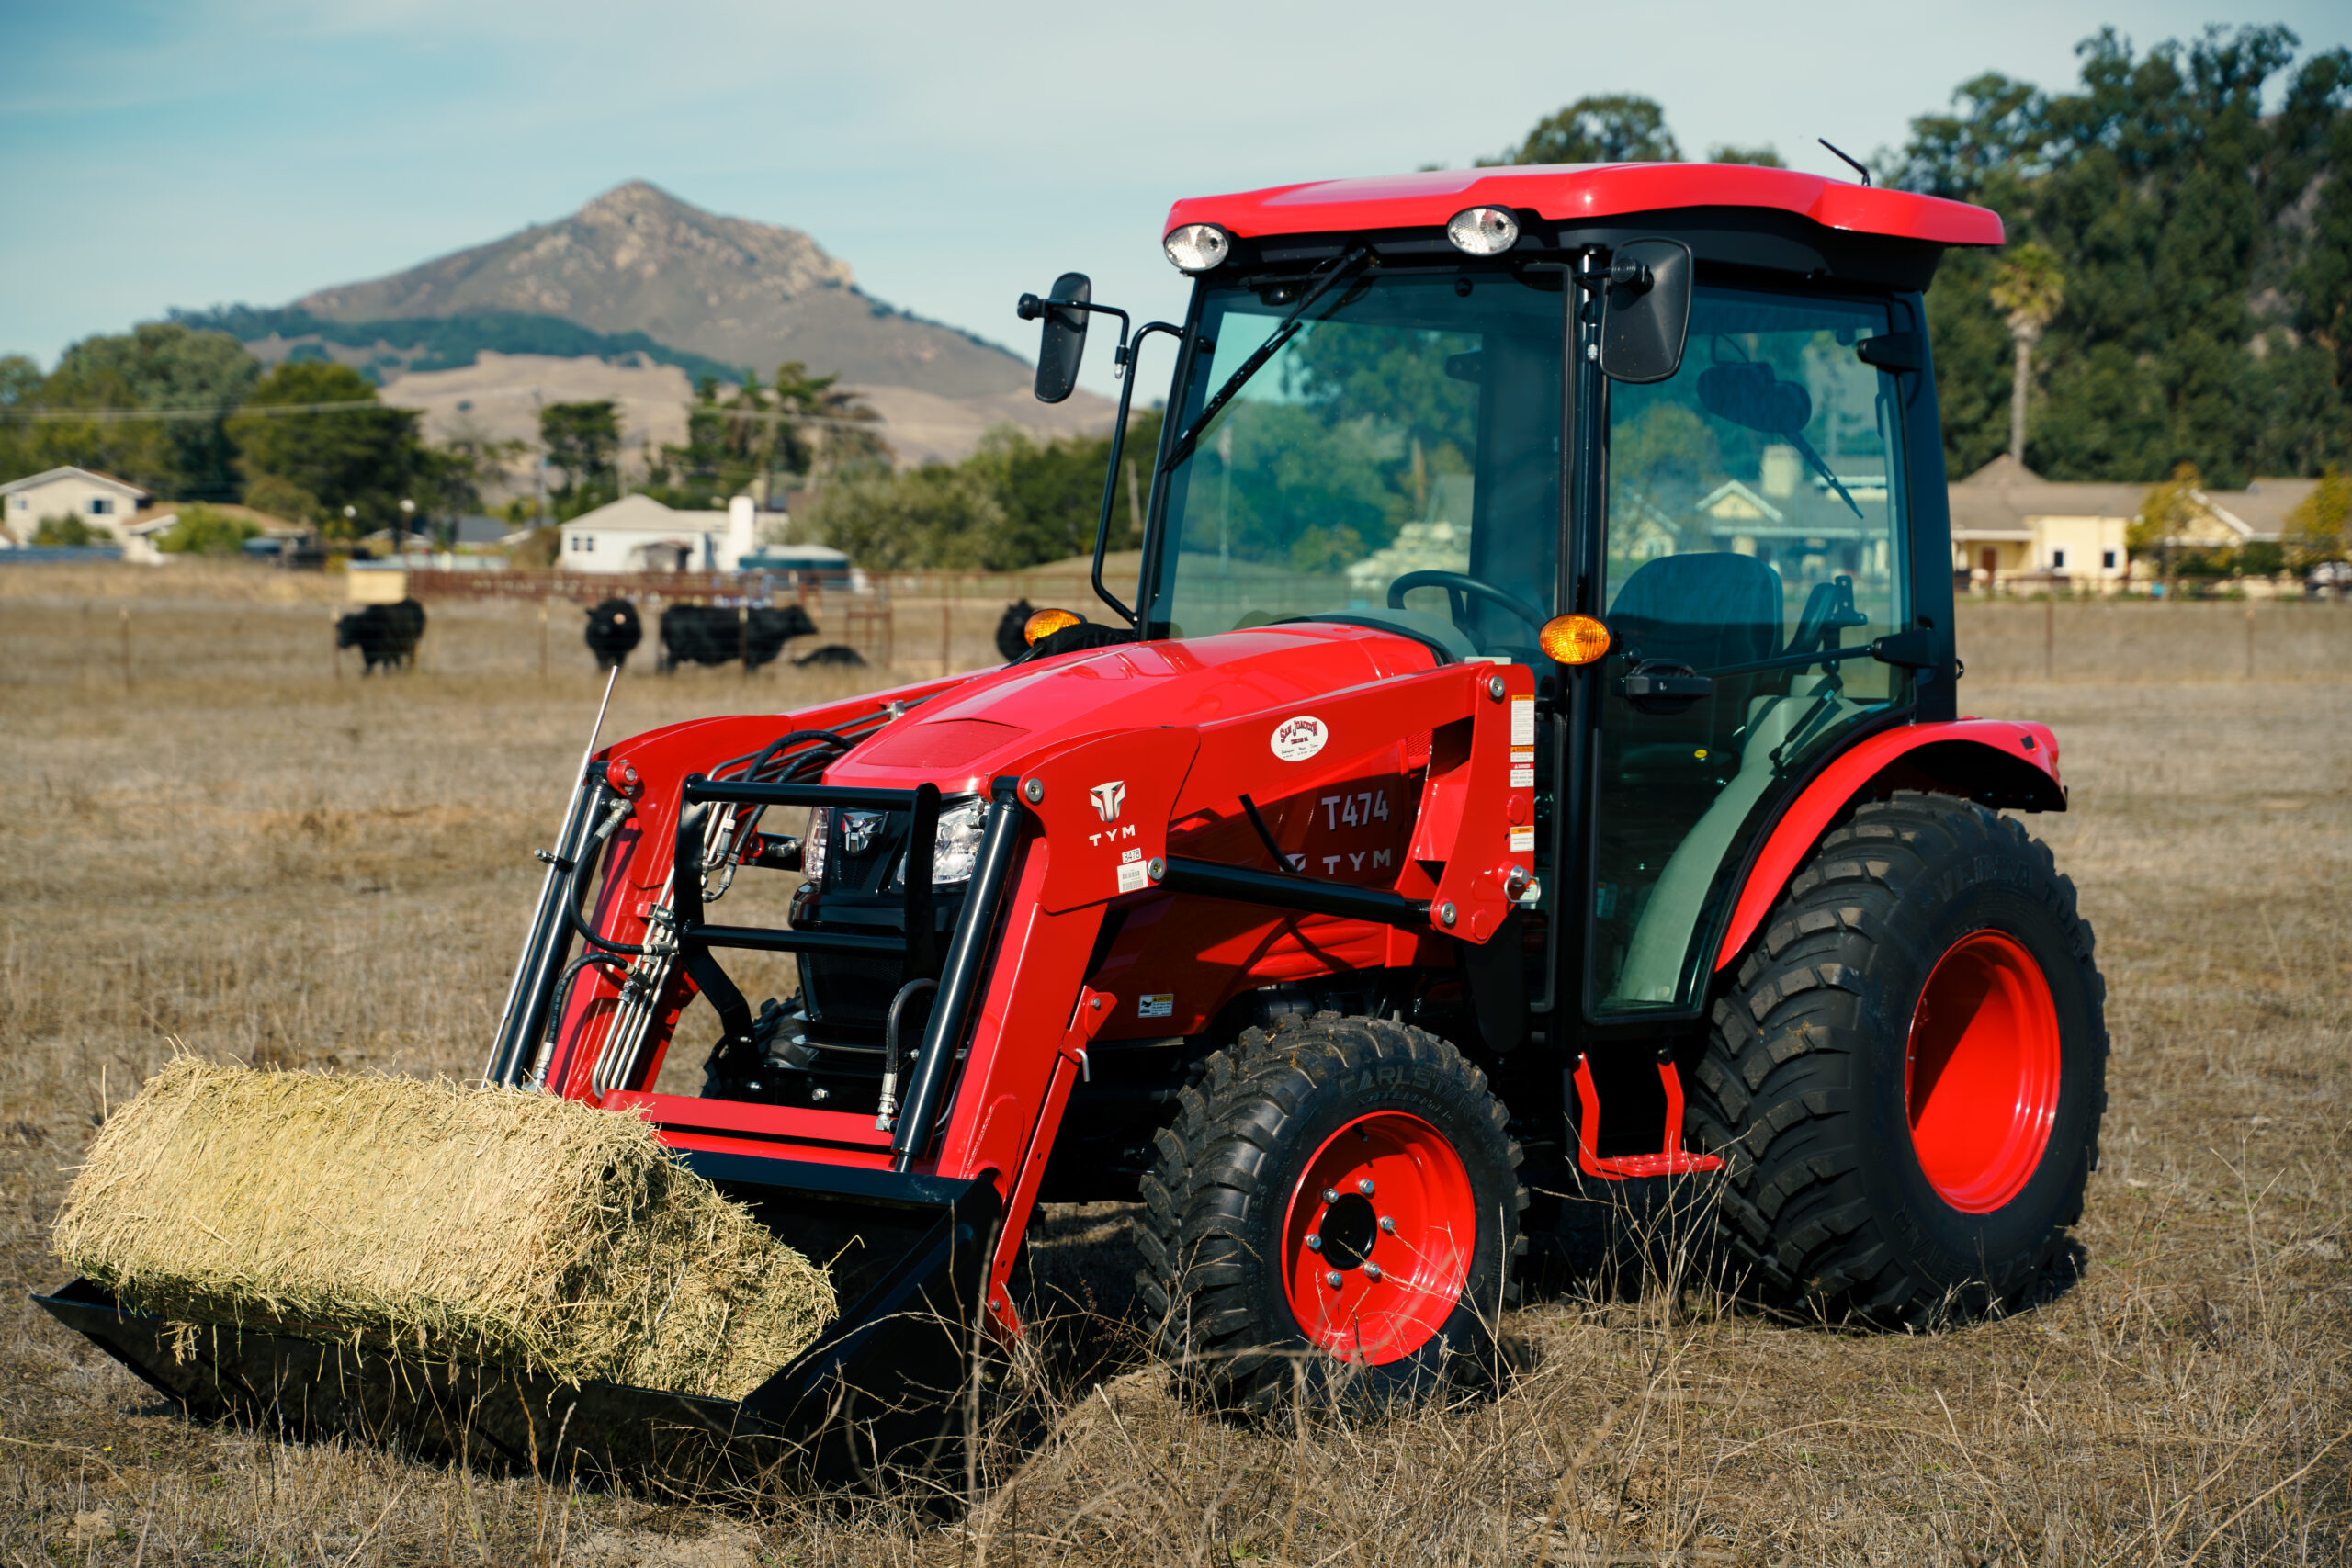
(954, 849)
(812, 845)
(1483, 231)
(1198, 247)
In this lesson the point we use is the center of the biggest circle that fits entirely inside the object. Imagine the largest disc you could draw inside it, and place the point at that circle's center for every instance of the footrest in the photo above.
(1625, 1166)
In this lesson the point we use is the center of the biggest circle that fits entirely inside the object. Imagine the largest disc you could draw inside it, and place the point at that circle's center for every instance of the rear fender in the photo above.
(1998, 763)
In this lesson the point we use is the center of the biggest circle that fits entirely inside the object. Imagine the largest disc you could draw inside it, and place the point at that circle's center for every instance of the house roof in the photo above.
(643, 513)
(2260, 510)
(1998, 498)
(2002, 495)
(163, 514)
(52, 476)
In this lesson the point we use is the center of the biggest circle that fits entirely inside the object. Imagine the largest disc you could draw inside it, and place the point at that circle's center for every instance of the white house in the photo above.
(99, 500)
(639, 533)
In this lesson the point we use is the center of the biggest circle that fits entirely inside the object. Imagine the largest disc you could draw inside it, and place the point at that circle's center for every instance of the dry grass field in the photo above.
(235, 848)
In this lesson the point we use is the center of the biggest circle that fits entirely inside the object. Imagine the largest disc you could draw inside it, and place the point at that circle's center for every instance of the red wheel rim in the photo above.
(1980, 1074)
(1384, 1210)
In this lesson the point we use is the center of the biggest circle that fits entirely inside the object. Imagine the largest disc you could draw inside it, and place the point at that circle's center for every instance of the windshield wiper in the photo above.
(1822, 470)
(1282, 334)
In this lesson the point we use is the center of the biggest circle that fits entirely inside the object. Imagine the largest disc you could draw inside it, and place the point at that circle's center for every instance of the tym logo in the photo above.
(1108, 797)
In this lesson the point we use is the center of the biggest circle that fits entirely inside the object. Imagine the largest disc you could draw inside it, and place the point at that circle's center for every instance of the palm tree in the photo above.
(2027, 289)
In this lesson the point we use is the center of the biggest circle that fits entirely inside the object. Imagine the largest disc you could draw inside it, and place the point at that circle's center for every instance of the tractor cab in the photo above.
(1665, 435)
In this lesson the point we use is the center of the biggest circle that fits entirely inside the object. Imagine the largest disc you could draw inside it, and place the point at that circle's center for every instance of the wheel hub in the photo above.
(1981, 1072)
(1378, 1238)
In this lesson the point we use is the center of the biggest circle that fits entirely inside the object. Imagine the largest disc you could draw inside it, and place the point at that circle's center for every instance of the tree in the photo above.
(750, 438)
(848, 432)
(165, 365)
(2206, 245)
(933, 516)
(1761, 157)
(2320, 527)
(334, 446)
(1051, 493)
(2027, 289)
(2166, 513)
(583, 440)
(451, 482)
(1616, 129)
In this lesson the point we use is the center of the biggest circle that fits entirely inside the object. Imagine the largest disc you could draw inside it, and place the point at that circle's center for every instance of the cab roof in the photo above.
(1573, 193)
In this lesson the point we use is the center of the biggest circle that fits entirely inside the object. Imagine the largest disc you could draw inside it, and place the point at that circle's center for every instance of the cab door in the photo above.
(1751, 542)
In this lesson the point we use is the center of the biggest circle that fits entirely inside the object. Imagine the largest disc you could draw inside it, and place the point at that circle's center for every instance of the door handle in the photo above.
(1657, 685)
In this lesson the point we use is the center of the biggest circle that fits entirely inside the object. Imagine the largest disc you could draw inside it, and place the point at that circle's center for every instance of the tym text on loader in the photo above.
(1527, 761)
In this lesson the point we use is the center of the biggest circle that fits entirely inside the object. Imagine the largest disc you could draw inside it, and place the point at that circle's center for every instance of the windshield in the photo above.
(1411, 425)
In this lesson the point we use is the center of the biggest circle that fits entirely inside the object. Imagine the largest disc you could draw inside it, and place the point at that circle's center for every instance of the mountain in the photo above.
(639, 260)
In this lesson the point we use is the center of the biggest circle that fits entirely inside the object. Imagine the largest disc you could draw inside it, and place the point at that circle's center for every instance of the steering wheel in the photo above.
(1460, 588)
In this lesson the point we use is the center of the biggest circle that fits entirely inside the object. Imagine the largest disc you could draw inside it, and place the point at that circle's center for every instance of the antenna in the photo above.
(1849, 162)
(596, 728)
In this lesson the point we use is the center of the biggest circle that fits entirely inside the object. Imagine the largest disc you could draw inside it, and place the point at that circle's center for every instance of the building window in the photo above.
(583, 544)
(2107, 559)
(101, 505)
(24, 504)
(2058, 559)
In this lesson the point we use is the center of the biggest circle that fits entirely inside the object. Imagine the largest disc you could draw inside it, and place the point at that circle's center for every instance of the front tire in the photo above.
(1906, 1079)
(1339, 1195)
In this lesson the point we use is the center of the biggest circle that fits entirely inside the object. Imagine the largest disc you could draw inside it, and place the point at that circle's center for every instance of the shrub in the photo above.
(207, 530)
(69, 530)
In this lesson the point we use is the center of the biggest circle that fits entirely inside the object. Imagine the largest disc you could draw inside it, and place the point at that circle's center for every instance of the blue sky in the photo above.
(213, 150)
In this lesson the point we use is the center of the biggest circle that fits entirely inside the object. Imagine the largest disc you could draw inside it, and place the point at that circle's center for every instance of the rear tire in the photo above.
(1906, 1080)
(1241, 1292)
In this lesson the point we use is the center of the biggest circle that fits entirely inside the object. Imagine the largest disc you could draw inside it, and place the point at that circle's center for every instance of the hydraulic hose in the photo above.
(563, 993)
(885, 1117)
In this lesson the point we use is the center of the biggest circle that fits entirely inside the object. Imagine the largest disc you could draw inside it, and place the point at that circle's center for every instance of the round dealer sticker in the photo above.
(1296, 740)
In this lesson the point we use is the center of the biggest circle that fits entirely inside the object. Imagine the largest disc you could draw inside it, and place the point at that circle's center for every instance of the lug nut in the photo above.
(1332, 1278)
(1364, 1187)
(1389, 1224)
(1314, 1242)
(1371, 1272)
(1330, 1194)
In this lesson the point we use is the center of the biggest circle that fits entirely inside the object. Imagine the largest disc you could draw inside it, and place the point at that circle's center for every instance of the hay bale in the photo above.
(494, 1225)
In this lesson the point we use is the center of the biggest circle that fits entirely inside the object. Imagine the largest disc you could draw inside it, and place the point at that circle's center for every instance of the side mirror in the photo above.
(1063, 342)
(1646, 311)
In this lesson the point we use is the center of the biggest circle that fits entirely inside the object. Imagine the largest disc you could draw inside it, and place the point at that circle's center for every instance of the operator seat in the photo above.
(1704, 610)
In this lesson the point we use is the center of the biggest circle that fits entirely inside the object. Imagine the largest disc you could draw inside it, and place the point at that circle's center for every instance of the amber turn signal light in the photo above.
(1574, 640)
(1045, 623)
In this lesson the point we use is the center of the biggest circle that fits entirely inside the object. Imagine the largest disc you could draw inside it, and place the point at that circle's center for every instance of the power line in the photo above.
(876, 424)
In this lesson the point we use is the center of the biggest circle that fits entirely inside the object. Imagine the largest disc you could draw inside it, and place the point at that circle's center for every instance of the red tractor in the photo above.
(1529, 761)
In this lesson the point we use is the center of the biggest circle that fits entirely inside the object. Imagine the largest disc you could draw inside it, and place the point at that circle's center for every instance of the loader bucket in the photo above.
(878, 1391)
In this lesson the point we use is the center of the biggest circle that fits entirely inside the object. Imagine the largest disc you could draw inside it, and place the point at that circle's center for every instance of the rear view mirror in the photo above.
(1750, 395)
(1646, 311)
(1063, 342)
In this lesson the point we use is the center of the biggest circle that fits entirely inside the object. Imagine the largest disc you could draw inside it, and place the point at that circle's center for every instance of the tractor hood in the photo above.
(995, 723)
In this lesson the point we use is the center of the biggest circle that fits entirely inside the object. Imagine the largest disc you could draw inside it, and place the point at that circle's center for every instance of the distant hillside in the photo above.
(382, 350)
(638, 260)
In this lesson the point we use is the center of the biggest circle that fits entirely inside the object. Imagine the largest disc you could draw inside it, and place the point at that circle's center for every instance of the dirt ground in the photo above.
(215, 838)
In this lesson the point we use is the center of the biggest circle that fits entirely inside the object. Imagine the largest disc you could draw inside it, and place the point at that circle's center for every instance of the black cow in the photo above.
(703, 634)
(831, 653)
(384, 634)
(614, 632)
(1010, 640)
